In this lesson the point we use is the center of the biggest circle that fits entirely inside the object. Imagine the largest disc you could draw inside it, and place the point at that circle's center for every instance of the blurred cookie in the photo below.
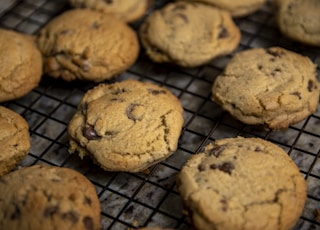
(14, 139)
(87, 45)
(236, 8)
(188, 34)
(299, 20)
(126, 126)
(47, 197)
(20, 64)
(242, 183)
(125, 10)
(272, 87)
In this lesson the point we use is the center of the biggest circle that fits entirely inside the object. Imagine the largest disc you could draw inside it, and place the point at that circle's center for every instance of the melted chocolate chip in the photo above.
(50, 211)
(223, 32)
(87, 200)
(89, 133)
(129, 111)
(71, 216)
(108, 1)
(311, 86)
(216, 151)
(156, 92)
(260, 67)
(258, 149)
(298, 94)
(201, 167)
(88, 223)
(226, 167)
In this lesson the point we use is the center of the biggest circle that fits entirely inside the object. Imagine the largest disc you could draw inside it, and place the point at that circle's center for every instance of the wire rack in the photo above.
(151, 199)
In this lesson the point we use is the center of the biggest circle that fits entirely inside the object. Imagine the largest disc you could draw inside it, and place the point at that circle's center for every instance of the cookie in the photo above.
(20, 64)
(14, 139)
(47, 197)
(242, 183)
(87, 45)
(236, 8)
(126, 126)
(270, 87)
(128, 11)
(188, 34)
(295, 23)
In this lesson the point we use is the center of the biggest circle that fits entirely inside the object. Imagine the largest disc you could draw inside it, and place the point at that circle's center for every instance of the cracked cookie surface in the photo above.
(125, 10)
(87, 45)
(48, 197)
(188, 34)
(14, 139)
(271, 87)
(20, 64)
(236, 8)
(242, 183)
(299, 20)
(126, 126)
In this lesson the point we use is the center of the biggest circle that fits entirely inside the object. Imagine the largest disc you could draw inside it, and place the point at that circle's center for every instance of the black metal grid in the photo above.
(150, 199)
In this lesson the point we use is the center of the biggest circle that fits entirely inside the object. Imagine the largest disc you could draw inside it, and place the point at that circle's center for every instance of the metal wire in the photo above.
(150, 199)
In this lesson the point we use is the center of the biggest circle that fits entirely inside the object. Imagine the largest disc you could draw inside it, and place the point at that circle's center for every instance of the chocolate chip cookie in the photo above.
(236, 8)
(271, 87)
(242, 183)
(47, 197)
(87, 45)
(188, 34)
(126, 126)
(299, 20)
(20, 64)
(14, 139)
(125, 10)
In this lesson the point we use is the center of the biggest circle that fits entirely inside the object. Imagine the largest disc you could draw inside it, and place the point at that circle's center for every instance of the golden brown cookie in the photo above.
(126, 126)
(299, 20)
(20, 64)
(125, 10)
(242, 183)
(87, 45)
(14, 139)
(188, 34)
(47, 197)
(271, 87)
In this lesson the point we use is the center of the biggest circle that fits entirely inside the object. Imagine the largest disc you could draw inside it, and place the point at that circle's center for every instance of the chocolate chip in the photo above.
(88, 223)
(258, 149)
(87, 200)
(108, 1)
(298, 94)
(260, 67)
(226, 167)
(129, 111)
(224, 204)
(201, 167)
(70, 216)
(216, 151)
(50, 211)
(275, 71)
(311, 86)
(156, 92)
(16, 213)
(89, 133)
(223, 32)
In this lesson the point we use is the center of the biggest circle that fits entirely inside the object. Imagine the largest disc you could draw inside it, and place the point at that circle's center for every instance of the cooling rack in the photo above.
(150, 199)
